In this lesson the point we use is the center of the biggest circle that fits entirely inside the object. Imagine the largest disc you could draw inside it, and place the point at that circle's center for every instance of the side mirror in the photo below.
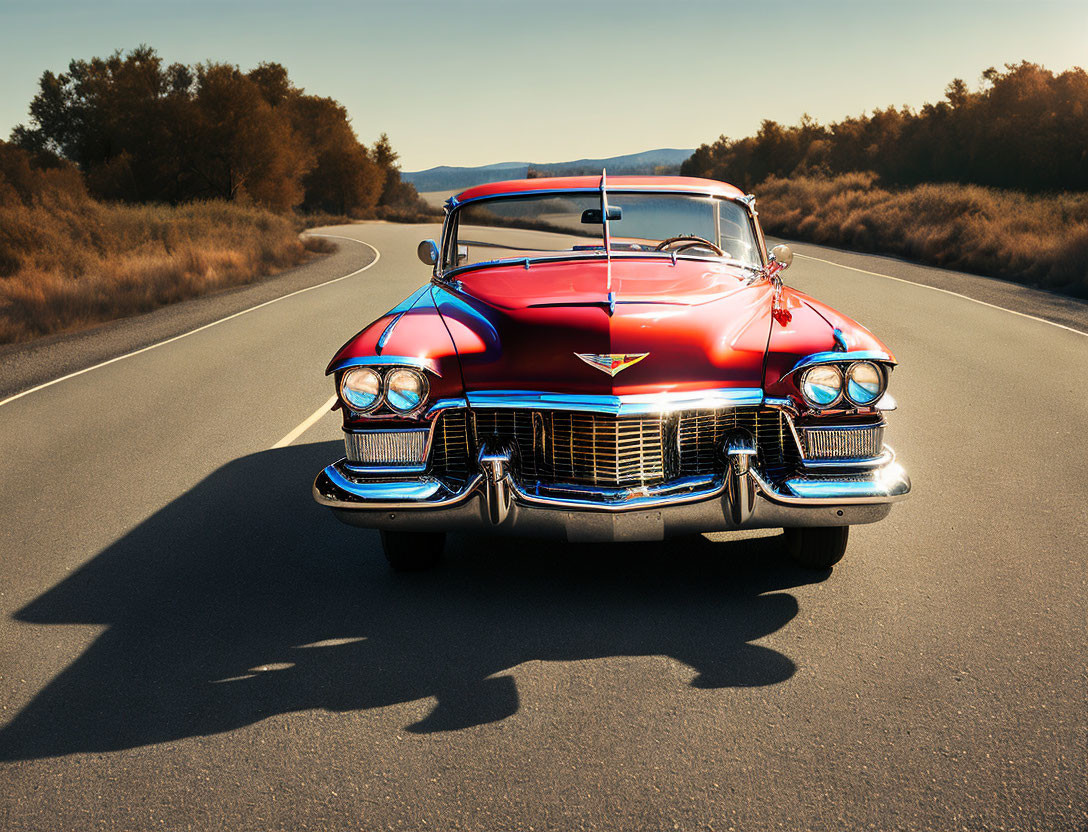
(782, 256)
(462, 255)
(428, 252)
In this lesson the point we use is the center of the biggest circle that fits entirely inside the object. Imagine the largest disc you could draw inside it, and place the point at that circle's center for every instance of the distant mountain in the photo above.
(446, 178)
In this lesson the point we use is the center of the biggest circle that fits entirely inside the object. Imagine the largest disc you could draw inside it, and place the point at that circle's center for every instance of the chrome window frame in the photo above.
(451, 223)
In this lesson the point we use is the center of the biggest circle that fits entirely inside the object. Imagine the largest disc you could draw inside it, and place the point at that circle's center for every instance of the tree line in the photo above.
(144, 131)
(1025, 128)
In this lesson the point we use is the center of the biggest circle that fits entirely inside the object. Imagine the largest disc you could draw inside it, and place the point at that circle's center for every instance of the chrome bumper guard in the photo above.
(738, 498)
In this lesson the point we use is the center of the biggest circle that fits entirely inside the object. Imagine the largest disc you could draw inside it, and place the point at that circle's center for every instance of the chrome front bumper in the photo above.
(493, 500)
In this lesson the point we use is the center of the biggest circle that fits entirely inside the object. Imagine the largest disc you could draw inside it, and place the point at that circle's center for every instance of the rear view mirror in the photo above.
(592, 216)
(782, 255)
(428, 252)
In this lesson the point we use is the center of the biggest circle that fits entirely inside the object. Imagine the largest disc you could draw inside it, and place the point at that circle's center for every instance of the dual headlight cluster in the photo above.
(826, 385)
(364, 389)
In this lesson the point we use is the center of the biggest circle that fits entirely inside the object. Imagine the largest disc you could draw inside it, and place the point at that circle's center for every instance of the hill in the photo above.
(447, 178)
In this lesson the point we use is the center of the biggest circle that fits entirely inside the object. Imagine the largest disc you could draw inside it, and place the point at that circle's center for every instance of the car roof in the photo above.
(684, 184)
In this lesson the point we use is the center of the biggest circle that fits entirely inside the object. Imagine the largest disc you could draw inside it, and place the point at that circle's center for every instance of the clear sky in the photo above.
(468, 82)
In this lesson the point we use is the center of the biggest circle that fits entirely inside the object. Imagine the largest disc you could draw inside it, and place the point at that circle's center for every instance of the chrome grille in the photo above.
(386, 447)
(583, 448)
(594, 450)
(611, 451)
(451, 450)
(701, 433)
(853, 442)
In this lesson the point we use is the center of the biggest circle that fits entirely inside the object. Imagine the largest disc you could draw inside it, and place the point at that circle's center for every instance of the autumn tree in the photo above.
(141, 131)
(344, 179)
(396, 193)
(1025, 128)
(240, 145)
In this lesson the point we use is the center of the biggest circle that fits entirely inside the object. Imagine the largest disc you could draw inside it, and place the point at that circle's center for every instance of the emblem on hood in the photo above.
(613, 362)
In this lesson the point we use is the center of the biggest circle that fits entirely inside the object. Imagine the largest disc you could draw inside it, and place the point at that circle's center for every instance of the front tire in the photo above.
(413, 551)
(818, 547)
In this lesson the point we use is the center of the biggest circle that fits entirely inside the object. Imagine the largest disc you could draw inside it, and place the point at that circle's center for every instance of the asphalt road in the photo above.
(188, 641)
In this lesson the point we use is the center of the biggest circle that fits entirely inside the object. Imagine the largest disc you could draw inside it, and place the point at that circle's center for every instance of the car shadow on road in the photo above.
(243, 599)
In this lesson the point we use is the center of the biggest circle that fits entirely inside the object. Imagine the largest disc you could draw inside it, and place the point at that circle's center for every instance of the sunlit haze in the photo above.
(471, 83)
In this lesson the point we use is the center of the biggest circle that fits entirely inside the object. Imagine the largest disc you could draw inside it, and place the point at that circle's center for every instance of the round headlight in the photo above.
(361, 388)
(822, 385)
(405, 390)
(863, 382)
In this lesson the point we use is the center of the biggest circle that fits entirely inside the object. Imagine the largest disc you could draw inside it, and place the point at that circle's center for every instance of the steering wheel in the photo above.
(687, 241)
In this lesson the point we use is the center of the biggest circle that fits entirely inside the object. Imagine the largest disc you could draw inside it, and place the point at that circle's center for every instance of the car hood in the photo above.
(701, 325)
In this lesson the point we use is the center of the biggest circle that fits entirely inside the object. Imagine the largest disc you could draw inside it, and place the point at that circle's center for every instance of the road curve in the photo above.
(186, 640)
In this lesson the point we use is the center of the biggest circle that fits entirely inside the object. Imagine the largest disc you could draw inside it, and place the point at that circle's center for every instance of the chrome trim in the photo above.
(782, 403)
(849, 356)
(335, 489)
(453, 203)
(881, 371)
(888, 484)
(381, 470)
(444, 404)
(885, 403)
(677, 492)
(428, 364)
(886, 455)
(419, 493)
(383, 339)
(365, 411)
(840, 340)
(740, 448)
(629, 405)
(815, 405)
(424, 383)
(496, 463)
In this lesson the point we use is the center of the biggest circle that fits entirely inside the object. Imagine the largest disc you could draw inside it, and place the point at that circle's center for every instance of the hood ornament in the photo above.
(612, 363)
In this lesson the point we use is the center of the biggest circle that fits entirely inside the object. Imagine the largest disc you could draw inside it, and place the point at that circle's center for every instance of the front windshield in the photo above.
(543, 225)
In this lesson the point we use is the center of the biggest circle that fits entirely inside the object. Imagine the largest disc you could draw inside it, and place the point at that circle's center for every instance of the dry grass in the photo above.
(1038, 240)
(68, 262)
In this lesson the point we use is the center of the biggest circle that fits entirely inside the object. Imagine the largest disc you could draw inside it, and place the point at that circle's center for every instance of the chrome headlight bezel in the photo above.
(882, 383)
(390, 383)
(380, 376)
(815, 368)
(379, 395)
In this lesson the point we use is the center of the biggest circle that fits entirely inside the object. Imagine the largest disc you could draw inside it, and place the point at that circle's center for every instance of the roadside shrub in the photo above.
(1040, 240)
(68, 261)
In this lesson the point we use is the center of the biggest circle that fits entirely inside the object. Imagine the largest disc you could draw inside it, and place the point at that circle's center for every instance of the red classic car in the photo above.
(610, 359)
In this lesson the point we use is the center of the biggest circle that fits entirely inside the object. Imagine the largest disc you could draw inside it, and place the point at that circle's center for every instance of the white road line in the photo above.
(377, 257)
(944, 291)
(311, 420)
